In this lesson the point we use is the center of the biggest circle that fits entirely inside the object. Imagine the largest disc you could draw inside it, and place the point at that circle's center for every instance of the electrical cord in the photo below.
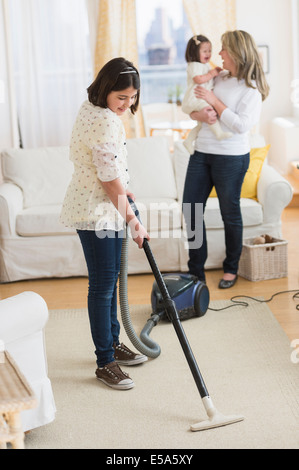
(238, 303)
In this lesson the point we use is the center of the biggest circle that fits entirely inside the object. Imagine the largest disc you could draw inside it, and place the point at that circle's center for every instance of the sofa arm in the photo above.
(11, 203)
(22, 315)
(274, 192)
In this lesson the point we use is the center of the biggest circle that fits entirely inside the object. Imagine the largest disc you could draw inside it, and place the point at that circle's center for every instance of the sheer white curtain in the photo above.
(93, 9)
(52, 67)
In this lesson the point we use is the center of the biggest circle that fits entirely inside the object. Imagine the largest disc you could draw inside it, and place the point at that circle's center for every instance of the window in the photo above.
(163, 32)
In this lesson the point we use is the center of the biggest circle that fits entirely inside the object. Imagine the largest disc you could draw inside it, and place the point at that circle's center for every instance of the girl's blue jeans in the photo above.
(226, 173)
(102, 251)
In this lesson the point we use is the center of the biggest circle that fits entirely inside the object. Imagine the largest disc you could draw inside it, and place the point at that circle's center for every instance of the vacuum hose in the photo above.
(144, 344)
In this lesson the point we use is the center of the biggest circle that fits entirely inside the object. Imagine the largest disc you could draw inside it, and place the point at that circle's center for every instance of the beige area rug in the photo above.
(244, 357)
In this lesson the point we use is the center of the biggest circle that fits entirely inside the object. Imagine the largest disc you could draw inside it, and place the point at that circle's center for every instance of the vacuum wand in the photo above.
(215, 418)
(173, 316)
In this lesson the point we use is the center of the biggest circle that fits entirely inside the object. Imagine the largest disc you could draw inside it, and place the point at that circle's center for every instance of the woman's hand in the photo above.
(204, 94)
(210, 98)
(207, 115)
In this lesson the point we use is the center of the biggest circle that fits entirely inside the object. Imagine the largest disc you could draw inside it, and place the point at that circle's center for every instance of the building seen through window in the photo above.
(163, 32)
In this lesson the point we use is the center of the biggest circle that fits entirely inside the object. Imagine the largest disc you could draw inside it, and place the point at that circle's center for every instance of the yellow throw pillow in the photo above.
(249, 187)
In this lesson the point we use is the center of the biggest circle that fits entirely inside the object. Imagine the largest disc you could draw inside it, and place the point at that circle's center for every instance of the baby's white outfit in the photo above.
(191, 103)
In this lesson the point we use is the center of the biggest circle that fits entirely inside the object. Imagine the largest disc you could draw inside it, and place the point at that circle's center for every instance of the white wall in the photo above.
(270, 23)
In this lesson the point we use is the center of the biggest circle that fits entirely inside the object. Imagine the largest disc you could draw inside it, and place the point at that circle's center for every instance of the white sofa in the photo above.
(33, 243)
(22, 321)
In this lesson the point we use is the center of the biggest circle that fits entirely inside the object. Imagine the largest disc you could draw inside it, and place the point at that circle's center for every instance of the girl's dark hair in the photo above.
(112, 78)
(191, 54)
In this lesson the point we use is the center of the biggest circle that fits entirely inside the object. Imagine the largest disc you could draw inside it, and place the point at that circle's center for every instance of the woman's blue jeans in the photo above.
(226, 173)
(102, 251)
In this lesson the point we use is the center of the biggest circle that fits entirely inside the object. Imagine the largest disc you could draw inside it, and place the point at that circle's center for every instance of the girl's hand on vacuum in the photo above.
(138, 232)
(130, 195)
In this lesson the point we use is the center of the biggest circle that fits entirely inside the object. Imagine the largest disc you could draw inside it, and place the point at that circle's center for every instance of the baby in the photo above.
(198, 55)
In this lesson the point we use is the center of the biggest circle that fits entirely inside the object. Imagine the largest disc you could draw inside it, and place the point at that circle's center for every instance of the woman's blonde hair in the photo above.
(244, 52)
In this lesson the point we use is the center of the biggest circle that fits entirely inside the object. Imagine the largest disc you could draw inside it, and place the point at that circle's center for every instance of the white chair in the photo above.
(22, 321)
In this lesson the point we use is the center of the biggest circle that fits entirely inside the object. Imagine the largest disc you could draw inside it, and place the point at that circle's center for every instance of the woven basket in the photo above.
(261, 262)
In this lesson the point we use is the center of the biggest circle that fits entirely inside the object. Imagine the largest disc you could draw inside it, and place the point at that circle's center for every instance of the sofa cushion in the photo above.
(155, 214)
(151, 169)
(252, 213)
(43, 174)
(40, 221)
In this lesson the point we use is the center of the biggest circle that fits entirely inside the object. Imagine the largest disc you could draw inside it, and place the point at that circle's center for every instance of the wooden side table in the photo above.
(15, 396)
(182, 127)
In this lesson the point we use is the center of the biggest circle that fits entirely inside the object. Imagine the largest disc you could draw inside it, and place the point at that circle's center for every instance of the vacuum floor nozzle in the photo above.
(215, 418)
(216, 421)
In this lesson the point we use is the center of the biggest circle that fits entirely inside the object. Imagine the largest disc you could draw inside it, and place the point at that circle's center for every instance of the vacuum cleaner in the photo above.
(191, 296)
(147, 346)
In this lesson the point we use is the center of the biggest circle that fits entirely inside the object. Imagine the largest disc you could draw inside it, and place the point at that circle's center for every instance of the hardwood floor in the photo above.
(72, 292)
